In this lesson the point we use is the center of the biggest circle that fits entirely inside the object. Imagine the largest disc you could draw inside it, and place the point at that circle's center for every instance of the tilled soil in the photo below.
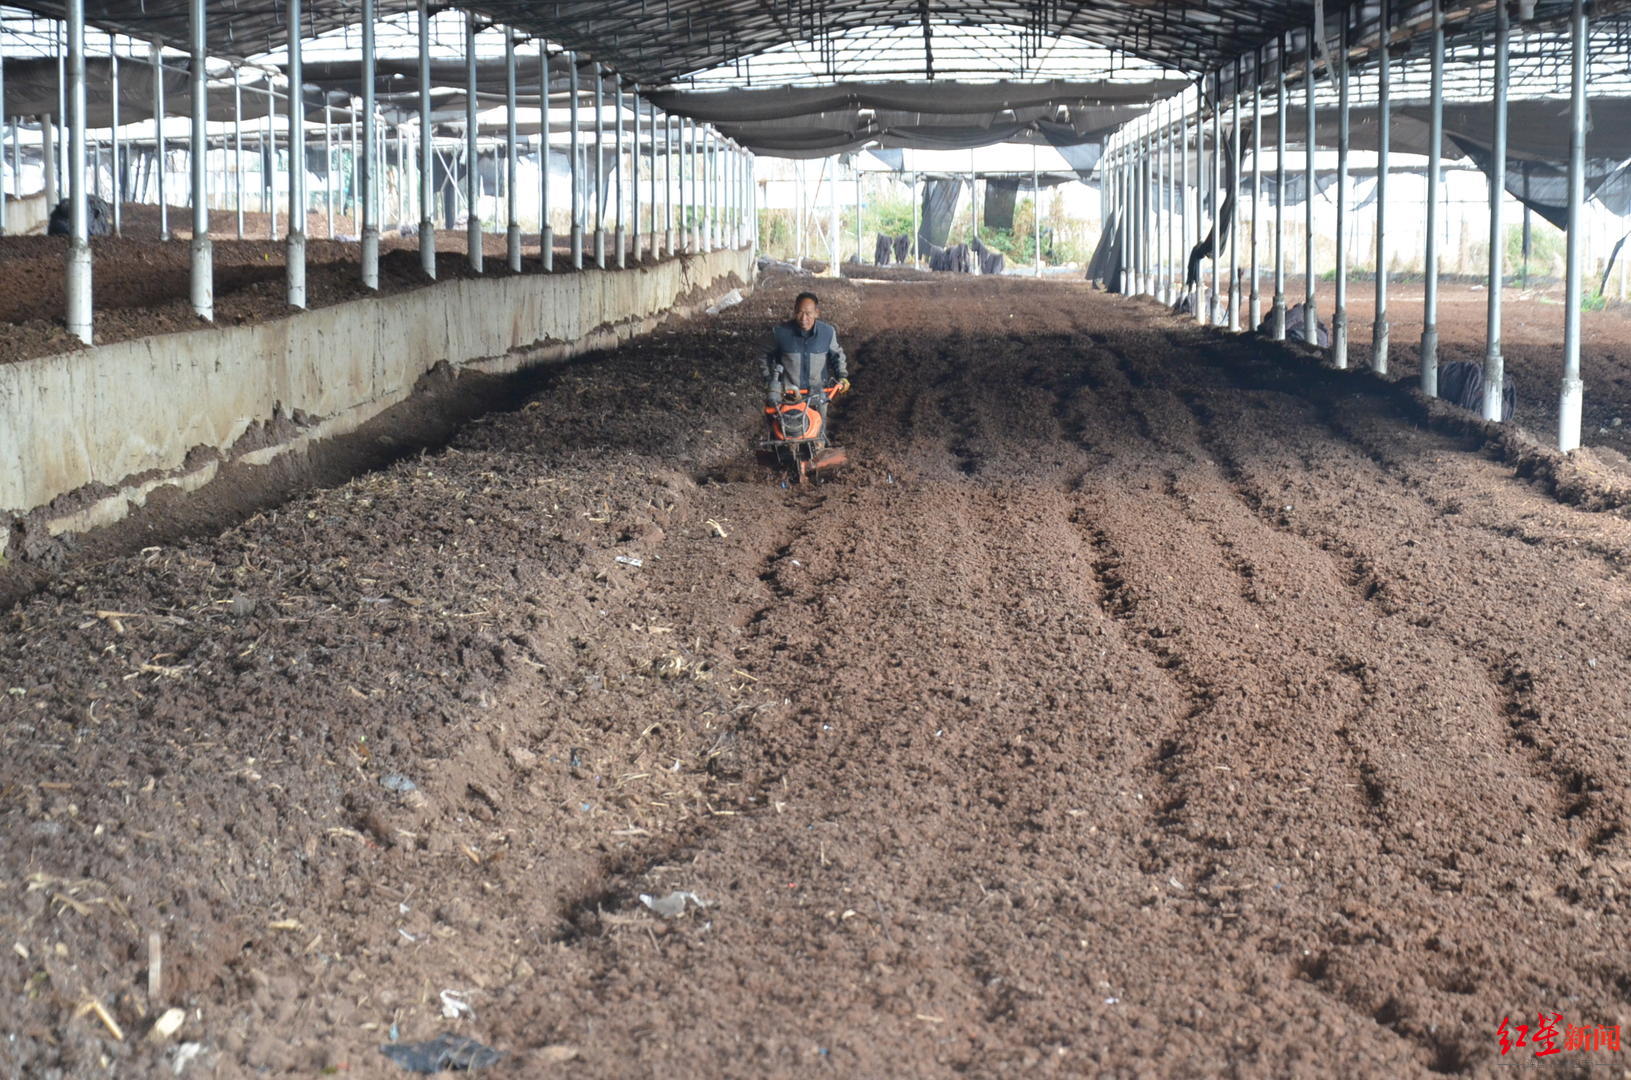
(1531, 345)
(1141, 702)
(141, 286)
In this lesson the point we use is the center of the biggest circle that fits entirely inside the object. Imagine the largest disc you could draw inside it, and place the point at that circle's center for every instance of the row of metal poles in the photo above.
(1155, 234)
(709, 177)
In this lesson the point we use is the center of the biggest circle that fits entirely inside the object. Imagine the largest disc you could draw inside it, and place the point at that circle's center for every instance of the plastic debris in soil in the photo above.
(673, 904)
(446, 1052)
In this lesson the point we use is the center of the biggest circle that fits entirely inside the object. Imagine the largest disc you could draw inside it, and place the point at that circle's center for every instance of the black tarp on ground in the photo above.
(1461, 382)
(957, 259)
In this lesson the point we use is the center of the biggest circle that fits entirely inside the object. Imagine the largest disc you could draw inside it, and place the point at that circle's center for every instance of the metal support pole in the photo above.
(686, 187)
(693, 218)
(79, 244)
(1572, 397)
(427, 170)
(1182, 199)
(634, 177)
(597, 173)
(835, 269)
(1339, 318)
(1234, 200)
(858, 248)
(401, 200)
(1175, 204)
(48, 160)
(269, 157)
(117, 178)
(670, 124)
(1171, 201)
(546, 232)
(1141, 207)
(328, 167)
(158, 138)
(1036, 213)
(512, 235)
(351, 188)
(1435, 136)
(710, 189)
(973, 208)
(202, 280)
(577, 188)
(472, 172)
(1135, 282)
(238, 149)
(1310, 317)
(1379, 332)
(17, 180)
(1198, 304)
(915, 226)
(1277, 325)
(1163, 206)
(1127, 199)
(1124, 222)
(1494, 363)
(657, 250)
(370, 154)
(617, 165)
(1215, 178)
(1152, 210)
(297, 164)
(59, 157)
(1257, 180)
(1130, 193)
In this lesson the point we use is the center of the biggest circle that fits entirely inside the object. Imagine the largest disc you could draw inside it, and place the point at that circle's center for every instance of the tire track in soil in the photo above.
(1442, 1055)
(1572, 785)
(1573, 789)
(1204, 694)
(1361, 575)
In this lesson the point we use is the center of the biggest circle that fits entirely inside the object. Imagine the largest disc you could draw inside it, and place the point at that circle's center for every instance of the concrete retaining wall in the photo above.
(120, 420)
(27, 215)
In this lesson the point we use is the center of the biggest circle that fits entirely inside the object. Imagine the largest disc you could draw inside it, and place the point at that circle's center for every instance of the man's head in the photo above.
(806, 309)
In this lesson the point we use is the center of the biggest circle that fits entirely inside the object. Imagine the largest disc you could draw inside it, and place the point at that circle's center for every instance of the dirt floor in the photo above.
(1142, 702)
(141, 286)
(1531, 343)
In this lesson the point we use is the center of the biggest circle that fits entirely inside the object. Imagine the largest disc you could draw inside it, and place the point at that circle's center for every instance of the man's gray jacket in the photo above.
(806, 361)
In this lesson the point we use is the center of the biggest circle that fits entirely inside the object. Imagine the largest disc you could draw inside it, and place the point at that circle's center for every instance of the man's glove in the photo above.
(843, 386)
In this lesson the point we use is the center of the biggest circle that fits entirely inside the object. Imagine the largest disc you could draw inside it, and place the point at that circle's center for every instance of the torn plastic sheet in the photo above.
(447, 1052)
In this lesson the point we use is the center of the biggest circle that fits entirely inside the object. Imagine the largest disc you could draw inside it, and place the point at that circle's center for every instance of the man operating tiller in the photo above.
(803, 368)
